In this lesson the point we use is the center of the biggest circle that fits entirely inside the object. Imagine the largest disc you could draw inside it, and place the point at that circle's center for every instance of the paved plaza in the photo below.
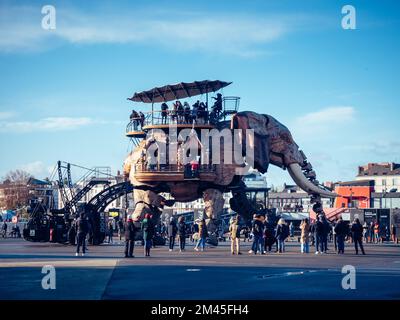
(213, 274)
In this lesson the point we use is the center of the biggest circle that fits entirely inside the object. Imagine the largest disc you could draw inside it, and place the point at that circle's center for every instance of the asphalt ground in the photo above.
(213, 274)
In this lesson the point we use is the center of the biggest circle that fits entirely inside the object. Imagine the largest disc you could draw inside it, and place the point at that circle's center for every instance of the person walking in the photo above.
(110, 230)
(334, 237)
(393, 233)
(147, 226)
(376, 233)
(181, 230)
(5, 226)
(305, 236)
(130, 232)
(258, 233)
(82, 230)
(282, 232)
(325, 233)
(341, 231)
(203, 233)
(269, 237)
(291, 230)
(319, 232)
(365, 232)
(234, 232)
(172, 229)
(251, 235)
(120, 228)
(357, 232)
(371, 232)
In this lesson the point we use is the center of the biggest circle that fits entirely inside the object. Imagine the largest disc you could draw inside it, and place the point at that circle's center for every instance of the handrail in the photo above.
(143, 167)
(173, 116)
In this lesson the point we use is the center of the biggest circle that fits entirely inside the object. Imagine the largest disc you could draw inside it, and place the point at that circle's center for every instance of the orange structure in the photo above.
(354, 194)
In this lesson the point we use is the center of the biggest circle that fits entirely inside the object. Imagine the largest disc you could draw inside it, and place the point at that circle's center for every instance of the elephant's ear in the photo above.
(258, 123)
(251, 120)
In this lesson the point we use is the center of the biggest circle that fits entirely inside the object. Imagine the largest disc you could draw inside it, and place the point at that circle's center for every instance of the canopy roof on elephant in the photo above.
(178, 91)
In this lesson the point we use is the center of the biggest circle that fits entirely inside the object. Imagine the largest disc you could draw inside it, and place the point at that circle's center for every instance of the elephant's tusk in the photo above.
(297, 175)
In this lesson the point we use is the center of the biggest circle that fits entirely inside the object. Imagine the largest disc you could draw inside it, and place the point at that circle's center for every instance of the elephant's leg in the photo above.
(143, 200)
(241, 205)
(213, 207)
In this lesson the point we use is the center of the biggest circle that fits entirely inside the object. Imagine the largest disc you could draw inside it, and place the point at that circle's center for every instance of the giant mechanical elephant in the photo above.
(272, 144)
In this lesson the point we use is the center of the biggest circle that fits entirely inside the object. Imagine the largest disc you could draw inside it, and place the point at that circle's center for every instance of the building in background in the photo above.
(386, 176)
(291, 198)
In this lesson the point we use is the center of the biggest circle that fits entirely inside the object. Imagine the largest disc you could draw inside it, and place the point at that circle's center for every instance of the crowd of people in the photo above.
(180, 113)
(263, 233)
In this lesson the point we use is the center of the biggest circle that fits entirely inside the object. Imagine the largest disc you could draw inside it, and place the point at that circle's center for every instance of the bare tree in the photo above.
(17, 176)
(14, 191)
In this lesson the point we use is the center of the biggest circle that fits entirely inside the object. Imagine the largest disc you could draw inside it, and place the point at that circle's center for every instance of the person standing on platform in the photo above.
(164, 113)
(130, 232)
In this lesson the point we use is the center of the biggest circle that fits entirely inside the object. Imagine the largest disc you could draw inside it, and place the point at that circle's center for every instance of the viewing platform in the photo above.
(174, 173)
(163, 119)
(170, 106)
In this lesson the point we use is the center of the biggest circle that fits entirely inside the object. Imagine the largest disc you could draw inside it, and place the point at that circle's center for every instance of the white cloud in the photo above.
(6, 115)
(46, 124)
(328, 116)
(35, 168)
(220, 33)
(315, 125)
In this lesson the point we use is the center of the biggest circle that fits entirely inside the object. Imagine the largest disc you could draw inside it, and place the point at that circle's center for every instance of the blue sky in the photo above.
(63, 92)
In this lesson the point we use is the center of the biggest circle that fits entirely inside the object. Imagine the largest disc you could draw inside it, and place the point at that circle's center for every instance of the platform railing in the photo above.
(230, 106)
(169, 168)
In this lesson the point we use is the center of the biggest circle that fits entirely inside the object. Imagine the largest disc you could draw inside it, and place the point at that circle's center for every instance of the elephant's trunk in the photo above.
(301, 180)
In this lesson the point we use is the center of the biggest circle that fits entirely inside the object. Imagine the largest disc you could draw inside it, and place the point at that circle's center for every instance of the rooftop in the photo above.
(379, 169)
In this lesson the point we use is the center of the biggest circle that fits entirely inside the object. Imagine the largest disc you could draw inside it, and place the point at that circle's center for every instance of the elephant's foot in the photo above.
(241, 205)
(147, 201)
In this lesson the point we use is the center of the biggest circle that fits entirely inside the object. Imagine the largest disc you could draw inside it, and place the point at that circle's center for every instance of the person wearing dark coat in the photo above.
(172, 229)
(147, 226)
(5, 229)
(268, 235)
(357, 233)
(341, 231)
(181, 233)
(281, 233)
(325, 233)
(72, 234)
(258, 234)
(82, 227)
(319, 231)
(130, 232)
